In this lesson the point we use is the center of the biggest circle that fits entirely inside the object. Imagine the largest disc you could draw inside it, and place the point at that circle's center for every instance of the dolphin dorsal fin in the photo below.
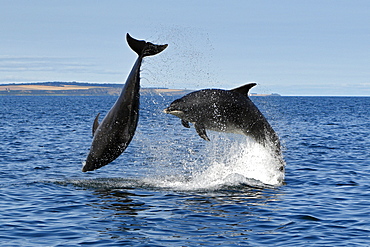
(244, 89)
(96, 123)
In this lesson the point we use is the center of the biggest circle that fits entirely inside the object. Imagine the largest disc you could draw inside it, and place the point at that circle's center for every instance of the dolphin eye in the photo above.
(181, 110)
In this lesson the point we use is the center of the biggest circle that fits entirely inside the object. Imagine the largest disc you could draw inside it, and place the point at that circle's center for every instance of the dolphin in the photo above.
(112, 136)
(225, 111)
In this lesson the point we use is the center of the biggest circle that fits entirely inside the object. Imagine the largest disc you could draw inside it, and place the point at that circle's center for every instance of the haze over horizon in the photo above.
(287, 47)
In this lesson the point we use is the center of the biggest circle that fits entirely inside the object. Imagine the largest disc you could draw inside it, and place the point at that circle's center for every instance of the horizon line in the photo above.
(187, 89)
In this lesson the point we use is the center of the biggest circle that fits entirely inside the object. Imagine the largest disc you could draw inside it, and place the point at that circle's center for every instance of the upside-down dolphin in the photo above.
(115, 132)
(225, 111)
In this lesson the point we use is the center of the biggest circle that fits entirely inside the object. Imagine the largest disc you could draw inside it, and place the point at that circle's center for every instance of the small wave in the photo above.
(102, 183)
(175, 183)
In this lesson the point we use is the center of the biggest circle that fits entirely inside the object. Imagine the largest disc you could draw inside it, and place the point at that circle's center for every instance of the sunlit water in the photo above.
(172, 188)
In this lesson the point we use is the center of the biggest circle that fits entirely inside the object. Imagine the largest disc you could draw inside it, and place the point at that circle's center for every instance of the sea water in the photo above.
(172, 188)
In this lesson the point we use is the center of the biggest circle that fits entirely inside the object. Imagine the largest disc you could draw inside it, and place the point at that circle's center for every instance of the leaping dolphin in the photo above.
(225, 111)
(115, 132)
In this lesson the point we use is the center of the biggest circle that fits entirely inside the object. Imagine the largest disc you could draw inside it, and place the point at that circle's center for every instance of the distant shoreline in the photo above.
(84, 89)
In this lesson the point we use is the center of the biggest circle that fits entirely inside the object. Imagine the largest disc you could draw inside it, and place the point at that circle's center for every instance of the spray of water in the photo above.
(228, 160)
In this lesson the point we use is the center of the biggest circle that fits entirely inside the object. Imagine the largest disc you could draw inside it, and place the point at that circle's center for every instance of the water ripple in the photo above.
(170, 188)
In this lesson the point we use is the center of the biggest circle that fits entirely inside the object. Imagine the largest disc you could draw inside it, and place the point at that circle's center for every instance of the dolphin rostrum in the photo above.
(115, 132)
(225, 111)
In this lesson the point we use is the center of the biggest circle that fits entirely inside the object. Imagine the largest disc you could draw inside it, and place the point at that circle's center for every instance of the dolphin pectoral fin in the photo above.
(185, 123)
(96, 123)
(201, 131)
(244, 89)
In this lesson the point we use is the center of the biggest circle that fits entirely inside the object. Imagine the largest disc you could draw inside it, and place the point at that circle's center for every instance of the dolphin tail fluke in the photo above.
(244, 89)
(143, 48)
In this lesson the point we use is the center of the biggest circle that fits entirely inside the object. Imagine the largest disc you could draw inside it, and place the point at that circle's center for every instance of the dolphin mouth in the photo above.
(169, 111)
(166, 111)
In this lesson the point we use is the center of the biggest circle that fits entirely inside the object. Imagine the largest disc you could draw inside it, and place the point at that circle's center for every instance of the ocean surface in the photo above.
(172, 188)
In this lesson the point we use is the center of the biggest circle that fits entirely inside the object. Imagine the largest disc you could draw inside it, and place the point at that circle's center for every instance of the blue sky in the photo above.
(288, 47)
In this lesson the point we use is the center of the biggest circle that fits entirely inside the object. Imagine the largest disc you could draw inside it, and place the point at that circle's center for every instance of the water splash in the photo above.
(180, 160)
(228, 160)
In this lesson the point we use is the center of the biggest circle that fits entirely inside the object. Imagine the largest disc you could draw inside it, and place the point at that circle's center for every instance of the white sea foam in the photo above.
(193, 164)
(227, 162)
